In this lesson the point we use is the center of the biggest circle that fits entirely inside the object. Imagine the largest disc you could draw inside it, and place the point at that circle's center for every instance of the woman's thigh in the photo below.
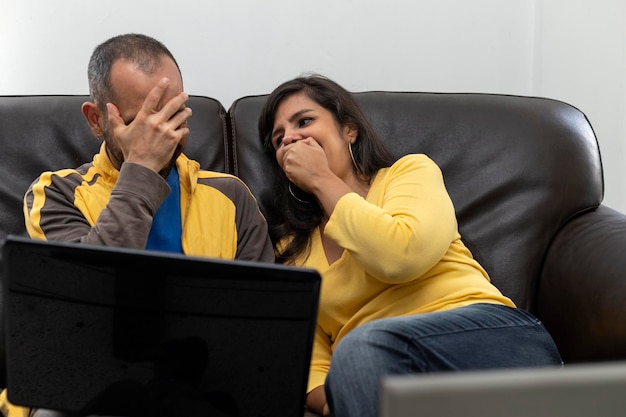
(473, 337)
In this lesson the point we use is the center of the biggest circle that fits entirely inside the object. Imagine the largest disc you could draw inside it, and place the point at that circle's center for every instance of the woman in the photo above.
(401, 293)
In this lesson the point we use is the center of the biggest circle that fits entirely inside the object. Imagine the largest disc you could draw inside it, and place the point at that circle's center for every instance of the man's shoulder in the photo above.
(67, 174)
(227, 184)
(216, 178)
(203, 173)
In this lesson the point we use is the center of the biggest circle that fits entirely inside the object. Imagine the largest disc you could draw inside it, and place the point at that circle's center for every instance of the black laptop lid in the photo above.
(101, 330)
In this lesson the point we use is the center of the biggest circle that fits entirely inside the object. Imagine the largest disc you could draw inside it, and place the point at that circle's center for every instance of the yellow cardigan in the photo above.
(403, 255)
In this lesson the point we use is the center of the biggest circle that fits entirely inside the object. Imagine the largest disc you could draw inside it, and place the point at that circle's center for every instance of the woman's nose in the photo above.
(290, 138)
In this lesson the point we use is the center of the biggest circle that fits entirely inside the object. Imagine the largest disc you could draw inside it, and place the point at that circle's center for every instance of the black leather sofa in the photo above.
(525, 174)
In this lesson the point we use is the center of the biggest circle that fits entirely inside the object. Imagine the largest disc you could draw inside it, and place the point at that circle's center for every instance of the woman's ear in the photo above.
(351, 132)
(94, 118)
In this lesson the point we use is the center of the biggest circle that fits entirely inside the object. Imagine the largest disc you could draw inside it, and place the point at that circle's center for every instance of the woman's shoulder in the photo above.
(413, 160)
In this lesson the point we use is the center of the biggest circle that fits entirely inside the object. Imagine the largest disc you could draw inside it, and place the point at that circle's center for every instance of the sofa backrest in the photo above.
(40, 133)
(517, 168)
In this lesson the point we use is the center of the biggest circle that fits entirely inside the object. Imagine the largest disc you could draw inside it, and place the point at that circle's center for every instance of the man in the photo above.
(140, 191)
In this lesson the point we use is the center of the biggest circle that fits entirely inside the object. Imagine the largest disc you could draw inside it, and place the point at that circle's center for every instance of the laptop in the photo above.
(575, 390)
(112, 331)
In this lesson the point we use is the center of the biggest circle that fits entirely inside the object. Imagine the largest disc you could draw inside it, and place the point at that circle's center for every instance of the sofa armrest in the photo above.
(582, 292)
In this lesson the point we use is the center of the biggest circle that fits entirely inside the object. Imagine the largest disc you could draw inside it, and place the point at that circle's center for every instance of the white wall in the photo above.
(571, 50)
(582, 60)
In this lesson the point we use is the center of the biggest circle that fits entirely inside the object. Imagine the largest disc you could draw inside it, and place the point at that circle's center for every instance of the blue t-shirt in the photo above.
(166, 232)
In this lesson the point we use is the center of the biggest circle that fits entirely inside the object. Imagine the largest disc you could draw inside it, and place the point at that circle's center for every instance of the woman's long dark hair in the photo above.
(299, 213)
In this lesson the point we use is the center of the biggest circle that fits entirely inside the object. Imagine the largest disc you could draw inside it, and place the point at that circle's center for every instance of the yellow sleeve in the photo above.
(404, 227)
(11, 410)
(320, 360)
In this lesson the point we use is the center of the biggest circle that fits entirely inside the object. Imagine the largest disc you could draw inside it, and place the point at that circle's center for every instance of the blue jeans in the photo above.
(478, 336)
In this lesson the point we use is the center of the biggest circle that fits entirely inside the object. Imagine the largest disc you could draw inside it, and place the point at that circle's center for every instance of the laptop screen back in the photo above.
(105, 330)
(576, 390)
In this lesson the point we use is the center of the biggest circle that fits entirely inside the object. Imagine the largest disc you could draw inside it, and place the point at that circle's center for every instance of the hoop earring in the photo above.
(352, 156)
(295, 196)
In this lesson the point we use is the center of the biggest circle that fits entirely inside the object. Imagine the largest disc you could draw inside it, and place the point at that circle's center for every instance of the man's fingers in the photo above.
(170, 109)
(151, 103)
(175, 107)
(180, 117)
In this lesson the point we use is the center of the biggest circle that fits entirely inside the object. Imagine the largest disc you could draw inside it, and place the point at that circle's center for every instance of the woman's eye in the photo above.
(304, 121)
(278, 142)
